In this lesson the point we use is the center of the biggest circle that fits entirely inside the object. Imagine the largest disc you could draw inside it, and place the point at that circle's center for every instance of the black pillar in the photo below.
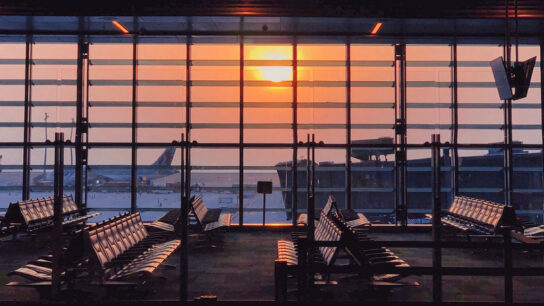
(348, 124)
(183, 223)
(437, 223)
(27, 117)
(542, 112)
(294, 201)
(57, 214)
(134, 149)
(401, 209)
(81, 124)
(455, 123)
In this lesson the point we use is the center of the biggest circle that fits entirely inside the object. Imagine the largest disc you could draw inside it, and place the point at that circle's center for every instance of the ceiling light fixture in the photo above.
(120, 27)
(376, 28)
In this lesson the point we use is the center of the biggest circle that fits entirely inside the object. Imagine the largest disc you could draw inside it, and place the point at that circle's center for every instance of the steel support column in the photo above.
(27, 118)
(86, 140)
(183, 230)
(134, 150)
(241, 131)
(508, 173)
(188, 115)
(542, 115)
(401, 210)
(81, 126)
(348, 123)
(454, 122)
(437, 223)
(57, 214)
(294, 207)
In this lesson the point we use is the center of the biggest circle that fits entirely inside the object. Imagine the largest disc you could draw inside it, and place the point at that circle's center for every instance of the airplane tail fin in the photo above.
(166, 157)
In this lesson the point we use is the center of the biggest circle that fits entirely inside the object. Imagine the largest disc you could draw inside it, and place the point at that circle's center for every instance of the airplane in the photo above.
(118, 175)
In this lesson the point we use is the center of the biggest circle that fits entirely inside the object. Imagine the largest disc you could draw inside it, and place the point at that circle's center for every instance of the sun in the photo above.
(276, 73)
(273, 70)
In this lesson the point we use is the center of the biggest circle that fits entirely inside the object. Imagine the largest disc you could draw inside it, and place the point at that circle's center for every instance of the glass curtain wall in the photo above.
(249, 103)
(12, 114)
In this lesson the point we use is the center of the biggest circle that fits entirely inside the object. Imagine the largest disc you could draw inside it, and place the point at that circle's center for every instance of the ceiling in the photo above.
(307, 8)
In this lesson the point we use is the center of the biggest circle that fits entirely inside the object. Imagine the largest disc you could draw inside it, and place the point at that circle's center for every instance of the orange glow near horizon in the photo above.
(272, 53)
(120, 27)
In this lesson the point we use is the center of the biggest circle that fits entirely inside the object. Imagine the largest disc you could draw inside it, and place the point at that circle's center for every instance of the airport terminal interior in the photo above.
(272, 151)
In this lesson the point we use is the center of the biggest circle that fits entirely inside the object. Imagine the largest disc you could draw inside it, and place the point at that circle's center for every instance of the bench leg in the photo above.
(280, 280)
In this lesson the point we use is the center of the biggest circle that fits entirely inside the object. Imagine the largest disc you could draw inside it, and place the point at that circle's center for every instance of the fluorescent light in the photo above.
(120, 27)
(376, 28)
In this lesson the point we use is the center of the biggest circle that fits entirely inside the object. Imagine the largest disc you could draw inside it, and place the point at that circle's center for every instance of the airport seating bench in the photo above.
(288, 253)
(353, 218)
(118, 248)
(331, 203)
(7, 229)
(36, 215)
(369, 256)
(122, 249)
(325, 230)
(166, 222)
(475, 216)
(208, 219)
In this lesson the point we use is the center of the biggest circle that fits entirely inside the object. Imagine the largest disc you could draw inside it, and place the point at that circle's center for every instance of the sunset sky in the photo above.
(267, 93)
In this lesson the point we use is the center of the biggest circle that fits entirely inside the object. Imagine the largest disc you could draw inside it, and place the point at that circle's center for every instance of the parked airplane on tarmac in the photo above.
(116, 174)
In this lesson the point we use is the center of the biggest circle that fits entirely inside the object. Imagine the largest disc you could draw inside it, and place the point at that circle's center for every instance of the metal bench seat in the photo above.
(475, 216)
(371, 256)
(325, 230)
(123, 248)
(327, 208)
(33, 272)
(161, 226)
(149, 261)
(206, 220)
(359, 222)
(328, 229)
(166, 222)
(37, 215)
(534, 231)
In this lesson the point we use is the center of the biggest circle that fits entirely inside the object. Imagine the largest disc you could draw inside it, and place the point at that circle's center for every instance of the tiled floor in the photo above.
(241, 267)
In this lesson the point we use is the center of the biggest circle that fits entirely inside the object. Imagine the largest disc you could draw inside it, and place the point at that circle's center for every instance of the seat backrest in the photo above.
(99, 253)
(329, 205)
(455, 205)
(463, 206)
(477, 209)
(485, 212)
(139, 224)
(26, 212)
(326, 230)
(494, 215)
(471, 207)
(199, 208)
(39, 208)
(49, 204)
(114, 236)
(68, 204)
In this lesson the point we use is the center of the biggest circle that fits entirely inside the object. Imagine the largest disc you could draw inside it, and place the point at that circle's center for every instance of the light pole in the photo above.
(71, 134)
(45, 148)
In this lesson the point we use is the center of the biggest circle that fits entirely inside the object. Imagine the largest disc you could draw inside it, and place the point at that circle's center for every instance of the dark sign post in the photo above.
(264, 188)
